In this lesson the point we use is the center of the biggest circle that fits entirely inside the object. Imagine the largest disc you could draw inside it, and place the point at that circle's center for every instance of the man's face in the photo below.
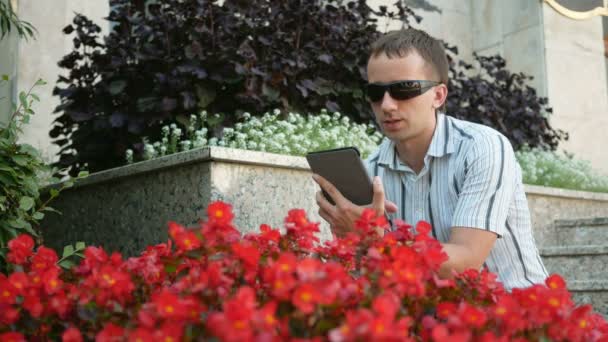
(402, 120)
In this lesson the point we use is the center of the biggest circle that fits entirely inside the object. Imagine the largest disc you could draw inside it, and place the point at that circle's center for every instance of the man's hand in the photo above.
(343, 215)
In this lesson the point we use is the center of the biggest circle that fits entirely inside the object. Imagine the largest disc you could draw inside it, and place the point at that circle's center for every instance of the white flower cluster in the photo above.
(553, 169)
(294, 134)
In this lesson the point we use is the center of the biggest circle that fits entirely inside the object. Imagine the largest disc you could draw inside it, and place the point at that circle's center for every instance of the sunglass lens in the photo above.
(375, 92)
(404, 91)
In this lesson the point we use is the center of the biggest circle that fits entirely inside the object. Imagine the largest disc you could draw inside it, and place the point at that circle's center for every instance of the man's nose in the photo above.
(388, 103)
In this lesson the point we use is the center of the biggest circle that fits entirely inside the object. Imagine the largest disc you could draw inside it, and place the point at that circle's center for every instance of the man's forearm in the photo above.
(460, 258)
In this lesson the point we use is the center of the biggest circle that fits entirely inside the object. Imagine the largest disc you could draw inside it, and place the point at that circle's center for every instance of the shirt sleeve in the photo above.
(490, 180)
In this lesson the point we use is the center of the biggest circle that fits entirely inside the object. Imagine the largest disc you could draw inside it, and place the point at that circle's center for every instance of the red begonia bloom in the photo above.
(306, 297)
(71, 334)
(110, 333)
(44, 259)
(12, 337)
(20, 248)
(220, 213)
(555, 281)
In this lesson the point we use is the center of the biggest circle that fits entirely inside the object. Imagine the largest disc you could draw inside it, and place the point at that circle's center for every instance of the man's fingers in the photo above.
(325, 216)
(378, 199)
(390, 207)
(323, 203)
(331, 190)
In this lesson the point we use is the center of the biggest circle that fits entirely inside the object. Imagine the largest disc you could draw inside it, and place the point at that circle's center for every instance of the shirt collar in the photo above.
(442, 143)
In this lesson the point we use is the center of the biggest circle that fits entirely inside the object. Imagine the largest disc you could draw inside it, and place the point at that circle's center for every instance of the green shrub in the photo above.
(23, 174)
(295, 135)
(559, 170)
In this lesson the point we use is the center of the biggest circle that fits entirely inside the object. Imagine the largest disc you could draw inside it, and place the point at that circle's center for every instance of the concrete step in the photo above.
(594, 292)
(574, 263)
(582, 231)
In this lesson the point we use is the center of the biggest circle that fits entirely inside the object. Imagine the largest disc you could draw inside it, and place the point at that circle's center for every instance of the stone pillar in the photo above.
(38, 58)
(577, 85)
(8, 66)
(449, 20)
(514, 30)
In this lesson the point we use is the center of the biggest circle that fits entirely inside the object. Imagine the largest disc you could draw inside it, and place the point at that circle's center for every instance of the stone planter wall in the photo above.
(128, 208)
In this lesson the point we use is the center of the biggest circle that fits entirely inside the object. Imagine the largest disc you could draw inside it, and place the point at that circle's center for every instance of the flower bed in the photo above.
(209, 281)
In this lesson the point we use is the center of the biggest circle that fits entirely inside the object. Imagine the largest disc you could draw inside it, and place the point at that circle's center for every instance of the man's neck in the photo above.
(412, 151)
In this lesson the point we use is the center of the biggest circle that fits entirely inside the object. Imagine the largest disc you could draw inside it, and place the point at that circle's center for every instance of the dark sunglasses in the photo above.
(398, 90)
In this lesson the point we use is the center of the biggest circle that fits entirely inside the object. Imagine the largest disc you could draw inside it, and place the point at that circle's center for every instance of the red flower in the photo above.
(386, 305)
(305, 297)
(44, 259)
(187, 241)
(140, 335)
(8, 292)
(472, 316)
(249, 254)
(94, 257)
(71, 334)
(266, 318)
(446, 309)
(32, 303)
(169, 332)
(20, 282)
(168, 305)
(555, 281)
(60, 304)
(309, 269)
(220, 213)
(8, 314)
(110, 333)
(20, 248)
(369, 221)
(268, 234)
(12, 337)
(286, 263)
(282, 285)
(51, 281)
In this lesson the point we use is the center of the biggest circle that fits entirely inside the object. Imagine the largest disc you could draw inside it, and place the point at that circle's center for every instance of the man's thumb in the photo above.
(378, 200)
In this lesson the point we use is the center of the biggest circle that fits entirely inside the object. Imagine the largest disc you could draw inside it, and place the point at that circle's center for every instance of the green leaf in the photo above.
(35, 97)
(21, 160)
(68, 251)
(80, 245)
(40, 82)
(52, 210)
(7, 179)
(17, 223)
(26, 203)
(5, 77)
(23, 99)
(116, 87)
(270, 92)
(54, 192)
(205, 95)
(67, 264)
(38, 216)
(83, 174)
(28, 228)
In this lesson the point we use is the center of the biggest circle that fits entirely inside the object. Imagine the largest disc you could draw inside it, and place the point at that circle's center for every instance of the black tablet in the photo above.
(343, 168)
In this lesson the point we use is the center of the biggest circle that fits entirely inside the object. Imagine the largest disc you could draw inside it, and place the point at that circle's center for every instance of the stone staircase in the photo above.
(581, 257)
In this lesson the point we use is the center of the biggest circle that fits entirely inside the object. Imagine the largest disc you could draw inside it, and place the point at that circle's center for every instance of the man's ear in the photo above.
(441, 94)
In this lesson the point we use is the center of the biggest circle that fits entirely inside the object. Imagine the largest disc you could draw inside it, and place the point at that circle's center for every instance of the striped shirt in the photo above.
(470, 179)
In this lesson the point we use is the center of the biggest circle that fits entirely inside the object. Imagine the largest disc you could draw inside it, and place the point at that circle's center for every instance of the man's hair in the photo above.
(400, 43)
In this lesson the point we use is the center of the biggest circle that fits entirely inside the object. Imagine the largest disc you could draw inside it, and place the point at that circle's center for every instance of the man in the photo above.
(461, 177)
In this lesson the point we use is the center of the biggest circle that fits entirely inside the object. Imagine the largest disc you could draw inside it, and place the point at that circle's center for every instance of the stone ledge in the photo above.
(564, 193)
(199, 155)
(231, 155)
(588, 285)
(574, 250)
(575, 223)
